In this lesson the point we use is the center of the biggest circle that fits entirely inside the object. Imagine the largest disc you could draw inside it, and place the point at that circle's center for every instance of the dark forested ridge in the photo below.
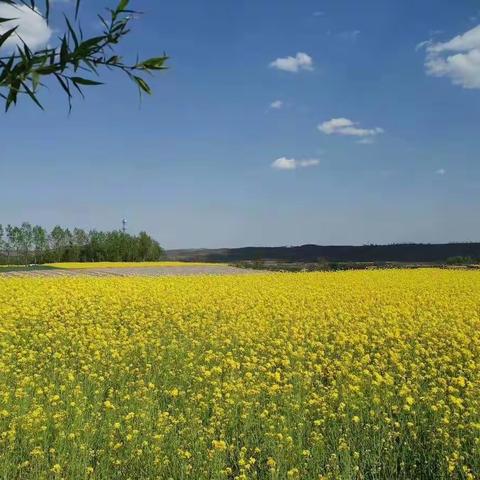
(412, 252)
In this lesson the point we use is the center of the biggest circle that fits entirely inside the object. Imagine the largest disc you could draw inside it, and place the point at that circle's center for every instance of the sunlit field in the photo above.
(95, 265)
(354, 375)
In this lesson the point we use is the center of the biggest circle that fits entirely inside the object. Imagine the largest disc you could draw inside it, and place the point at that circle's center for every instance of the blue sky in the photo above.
(375, 135)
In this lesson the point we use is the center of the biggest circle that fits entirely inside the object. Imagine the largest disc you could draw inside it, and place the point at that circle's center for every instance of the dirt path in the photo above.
(134, 272)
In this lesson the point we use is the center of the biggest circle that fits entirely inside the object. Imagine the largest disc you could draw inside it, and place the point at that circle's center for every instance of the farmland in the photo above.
(352, 375)
(122, 269)
(102, 265)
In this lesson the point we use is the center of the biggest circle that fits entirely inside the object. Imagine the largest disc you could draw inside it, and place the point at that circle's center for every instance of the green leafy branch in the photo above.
(74, 61)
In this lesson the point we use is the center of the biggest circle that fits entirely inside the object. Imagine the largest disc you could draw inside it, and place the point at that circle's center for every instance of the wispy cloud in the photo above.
(457, 59)
(349, 36)
(366, 141)
(277, 105)
(346, 127)
(475, 18)
(301, 61)
(32, 27)
(284, 163)
(441, 171)
(318, 13)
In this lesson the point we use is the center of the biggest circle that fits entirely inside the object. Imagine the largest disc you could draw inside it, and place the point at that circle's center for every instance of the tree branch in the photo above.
(22, 72)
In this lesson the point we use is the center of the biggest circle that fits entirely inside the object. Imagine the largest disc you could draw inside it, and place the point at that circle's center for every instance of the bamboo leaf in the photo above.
(156, 63)
(123, 4)
(32, 95)
(5, 36)
(77, 8)
(143, 85)
(72, 31)
(84, 81)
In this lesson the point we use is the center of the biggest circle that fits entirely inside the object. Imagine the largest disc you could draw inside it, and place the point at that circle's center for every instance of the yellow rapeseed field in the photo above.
(355, 375)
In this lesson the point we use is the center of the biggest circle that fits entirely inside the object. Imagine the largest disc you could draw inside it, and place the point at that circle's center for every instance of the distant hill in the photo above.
(409, 252)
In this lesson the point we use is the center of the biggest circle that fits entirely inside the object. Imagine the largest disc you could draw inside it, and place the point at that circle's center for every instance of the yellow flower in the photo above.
(140, 372)
(219, 445)
(271, 463)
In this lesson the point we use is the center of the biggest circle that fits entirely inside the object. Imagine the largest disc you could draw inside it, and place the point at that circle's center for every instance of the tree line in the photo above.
(27, 244)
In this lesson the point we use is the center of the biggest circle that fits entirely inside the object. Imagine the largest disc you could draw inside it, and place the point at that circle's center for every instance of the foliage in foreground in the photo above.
(76, 61)
(355, 375)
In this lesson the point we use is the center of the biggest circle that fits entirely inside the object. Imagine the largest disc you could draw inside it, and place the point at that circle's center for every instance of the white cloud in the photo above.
(277, 105)
(32, 27)
(441, 171)
(318, 13)
(284, 163)
(349, 36)
(344, 126)
(310, 162)
(423, 44)
(457, 59)
(301, 61)
(366, 141)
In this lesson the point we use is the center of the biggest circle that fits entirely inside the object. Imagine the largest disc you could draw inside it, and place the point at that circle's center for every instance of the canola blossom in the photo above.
(352, 375)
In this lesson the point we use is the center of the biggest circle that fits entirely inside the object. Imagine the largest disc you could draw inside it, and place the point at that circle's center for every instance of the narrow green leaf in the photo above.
(156, 63)
(77, 8)
(63, 84)
(72, 31)
(48, 69)
(4, 37)
(32, 95)
(143, 85)
(84, 81)
(123, 4)
(12, 94)
(64, 53)
(7, 67)
(35, 80)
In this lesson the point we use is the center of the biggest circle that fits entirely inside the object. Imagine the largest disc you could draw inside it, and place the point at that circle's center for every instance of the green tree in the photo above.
(40, 243)
(80, 240)
(7, 241)
(148, 249)
(80, 237)
(14, 237)
(26, 241)
(95, 251)
(57, 243)
(143, 245)
(1, 238)
(69, 254)
(24, 71)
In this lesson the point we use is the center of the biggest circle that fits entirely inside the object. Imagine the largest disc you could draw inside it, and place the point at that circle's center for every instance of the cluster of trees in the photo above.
(459, 260)
(28, 244)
